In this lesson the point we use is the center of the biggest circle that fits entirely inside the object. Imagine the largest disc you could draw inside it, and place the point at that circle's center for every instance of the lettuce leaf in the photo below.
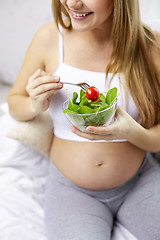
(85, 106)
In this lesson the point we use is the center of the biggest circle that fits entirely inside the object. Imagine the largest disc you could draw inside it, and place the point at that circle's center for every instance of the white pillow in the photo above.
(37, 133)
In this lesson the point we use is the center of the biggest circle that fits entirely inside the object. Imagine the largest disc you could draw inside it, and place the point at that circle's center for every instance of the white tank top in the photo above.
(67, 73)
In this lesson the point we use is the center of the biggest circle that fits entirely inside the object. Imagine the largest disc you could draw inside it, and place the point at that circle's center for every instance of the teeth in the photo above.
(80, 14)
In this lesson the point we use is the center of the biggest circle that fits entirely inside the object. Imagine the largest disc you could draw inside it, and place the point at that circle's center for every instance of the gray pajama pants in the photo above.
(75, 213)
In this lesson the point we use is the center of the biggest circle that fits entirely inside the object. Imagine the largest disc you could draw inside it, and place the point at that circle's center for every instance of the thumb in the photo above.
(119, 111)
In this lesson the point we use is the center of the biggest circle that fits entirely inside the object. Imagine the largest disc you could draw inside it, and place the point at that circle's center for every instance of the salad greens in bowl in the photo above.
(85, 112)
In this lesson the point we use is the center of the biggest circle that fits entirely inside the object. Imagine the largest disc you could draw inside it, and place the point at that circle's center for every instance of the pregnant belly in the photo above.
(94, 165)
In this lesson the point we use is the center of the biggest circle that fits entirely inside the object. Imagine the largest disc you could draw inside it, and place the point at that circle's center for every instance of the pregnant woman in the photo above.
(106, 173)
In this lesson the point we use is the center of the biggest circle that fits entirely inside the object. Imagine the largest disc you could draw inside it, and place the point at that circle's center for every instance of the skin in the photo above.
(100, 18)
(91, 165)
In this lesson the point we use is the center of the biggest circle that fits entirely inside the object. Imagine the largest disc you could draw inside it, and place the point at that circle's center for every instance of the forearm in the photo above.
(21, 107)
(146, 139)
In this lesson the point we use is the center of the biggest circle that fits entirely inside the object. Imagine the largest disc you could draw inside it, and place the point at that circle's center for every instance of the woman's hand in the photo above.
(124, 127)
(41, 86)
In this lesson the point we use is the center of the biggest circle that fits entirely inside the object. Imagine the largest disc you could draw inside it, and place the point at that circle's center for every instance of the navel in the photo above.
(99, 163)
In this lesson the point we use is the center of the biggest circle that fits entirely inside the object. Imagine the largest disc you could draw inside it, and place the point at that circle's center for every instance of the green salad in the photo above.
(86, 106)
(83, 112)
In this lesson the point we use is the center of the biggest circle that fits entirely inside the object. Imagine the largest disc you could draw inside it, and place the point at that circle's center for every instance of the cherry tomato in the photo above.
(92, 93)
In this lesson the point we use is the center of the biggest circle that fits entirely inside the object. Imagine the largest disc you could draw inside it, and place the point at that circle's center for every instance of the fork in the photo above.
(83, 85)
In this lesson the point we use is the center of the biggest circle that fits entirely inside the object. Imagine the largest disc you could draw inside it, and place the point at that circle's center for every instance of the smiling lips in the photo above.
(80, 15)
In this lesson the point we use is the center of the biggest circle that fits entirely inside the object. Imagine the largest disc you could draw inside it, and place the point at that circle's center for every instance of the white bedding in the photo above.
(23, 173)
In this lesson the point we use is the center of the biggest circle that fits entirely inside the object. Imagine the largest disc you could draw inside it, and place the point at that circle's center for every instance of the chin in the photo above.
(80, 27)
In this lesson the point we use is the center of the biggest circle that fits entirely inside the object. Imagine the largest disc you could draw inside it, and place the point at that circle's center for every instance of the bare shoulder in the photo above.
(46, 35)
(44, 42)
(155, 52)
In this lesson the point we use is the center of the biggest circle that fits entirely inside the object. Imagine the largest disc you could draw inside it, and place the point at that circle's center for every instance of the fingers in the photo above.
(101, 130)
(43, 100)
(40, 88)
(41, 82)
(37, 74)
(47, 87)
(120, 111)
(40, 77)
(92, 136)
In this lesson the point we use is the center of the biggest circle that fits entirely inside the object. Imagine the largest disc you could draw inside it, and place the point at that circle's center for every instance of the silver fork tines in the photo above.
(83, 85)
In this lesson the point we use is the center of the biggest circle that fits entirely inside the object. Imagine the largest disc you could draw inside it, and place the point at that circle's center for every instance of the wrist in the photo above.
(139, 137)
(33, 111)
(145, 139)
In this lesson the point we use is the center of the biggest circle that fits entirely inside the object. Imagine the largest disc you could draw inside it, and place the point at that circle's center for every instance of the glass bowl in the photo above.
(82, 121)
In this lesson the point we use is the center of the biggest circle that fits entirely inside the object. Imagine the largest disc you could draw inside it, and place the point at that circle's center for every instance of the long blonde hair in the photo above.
(131, 55)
